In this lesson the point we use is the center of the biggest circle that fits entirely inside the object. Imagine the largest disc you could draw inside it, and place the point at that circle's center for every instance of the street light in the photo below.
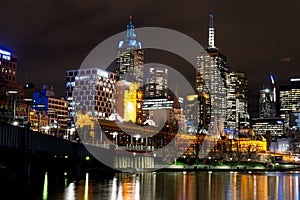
(209, 158)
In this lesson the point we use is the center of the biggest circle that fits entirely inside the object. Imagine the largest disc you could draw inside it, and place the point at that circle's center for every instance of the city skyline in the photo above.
(52, 42)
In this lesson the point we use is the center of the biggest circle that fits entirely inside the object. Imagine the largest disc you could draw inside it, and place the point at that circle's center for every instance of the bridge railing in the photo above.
(23, 139)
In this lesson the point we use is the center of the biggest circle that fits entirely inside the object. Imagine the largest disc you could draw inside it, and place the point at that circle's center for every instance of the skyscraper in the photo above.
(290, 103)
(130, 58)
(266, 104)
(268, 123)
(267, 100)
(156, 82)
(210, 78)
(237, 101)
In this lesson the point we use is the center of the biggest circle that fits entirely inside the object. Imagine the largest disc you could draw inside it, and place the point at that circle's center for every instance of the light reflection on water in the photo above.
(177, 185)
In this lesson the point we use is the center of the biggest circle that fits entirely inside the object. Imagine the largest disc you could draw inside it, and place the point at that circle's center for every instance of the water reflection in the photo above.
(177, 185)
(45, 188)
(70, 192)
(86, 187)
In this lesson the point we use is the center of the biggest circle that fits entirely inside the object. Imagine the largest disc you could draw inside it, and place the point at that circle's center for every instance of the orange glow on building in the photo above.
(133, 100)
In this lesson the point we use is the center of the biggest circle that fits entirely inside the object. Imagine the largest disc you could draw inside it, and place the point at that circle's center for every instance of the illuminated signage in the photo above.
(295, 79)
(5, 52)
(6, 57)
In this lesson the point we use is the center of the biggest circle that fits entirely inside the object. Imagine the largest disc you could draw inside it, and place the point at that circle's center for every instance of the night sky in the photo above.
(53, 36)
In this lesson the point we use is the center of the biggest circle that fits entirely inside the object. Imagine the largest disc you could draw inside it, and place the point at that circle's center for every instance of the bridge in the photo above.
(23, 151)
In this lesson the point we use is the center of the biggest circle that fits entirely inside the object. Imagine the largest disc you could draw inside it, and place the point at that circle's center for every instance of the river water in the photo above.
(169, 185)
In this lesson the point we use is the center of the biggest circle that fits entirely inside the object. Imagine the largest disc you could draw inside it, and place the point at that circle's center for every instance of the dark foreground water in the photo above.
(168, 185)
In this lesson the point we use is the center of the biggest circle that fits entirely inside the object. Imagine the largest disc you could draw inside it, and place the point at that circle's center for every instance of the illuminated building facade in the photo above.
(121, 87)
(164, 110)
(8, 63)
(12, 106)
(156, 91)
(91, 90)
(237, 102)
(156, 82)
(290, 103)
(133, 101)
(191, 113)
(49, 114)
(267, 107)
(58, 115)
(130, 58)
(210, 78)
(268, 100)
(272, 126)
(197, 112)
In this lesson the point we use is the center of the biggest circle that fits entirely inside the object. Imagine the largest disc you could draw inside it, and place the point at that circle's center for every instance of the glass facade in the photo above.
(91, 90)
(290, 103)
(237, 101)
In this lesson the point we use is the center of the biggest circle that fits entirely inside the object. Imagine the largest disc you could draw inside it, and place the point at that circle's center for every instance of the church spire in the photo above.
(211, 32)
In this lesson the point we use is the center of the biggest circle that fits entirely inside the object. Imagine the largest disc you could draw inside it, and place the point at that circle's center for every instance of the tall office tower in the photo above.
(210, 78)
(267, 100)
(130, 58)
(290, 103)
(267, 108)
(237, 101)
(274, 93)
(91, 90)
(156, 91)
(156, 82)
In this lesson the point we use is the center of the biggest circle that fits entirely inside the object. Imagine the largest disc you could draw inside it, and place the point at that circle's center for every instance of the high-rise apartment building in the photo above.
(210, 78)
(130, 58)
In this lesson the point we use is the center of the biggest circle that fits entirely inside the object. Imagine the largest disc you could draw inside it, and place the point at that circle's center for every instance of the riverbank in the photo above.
(234, 167)
(249, 168)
